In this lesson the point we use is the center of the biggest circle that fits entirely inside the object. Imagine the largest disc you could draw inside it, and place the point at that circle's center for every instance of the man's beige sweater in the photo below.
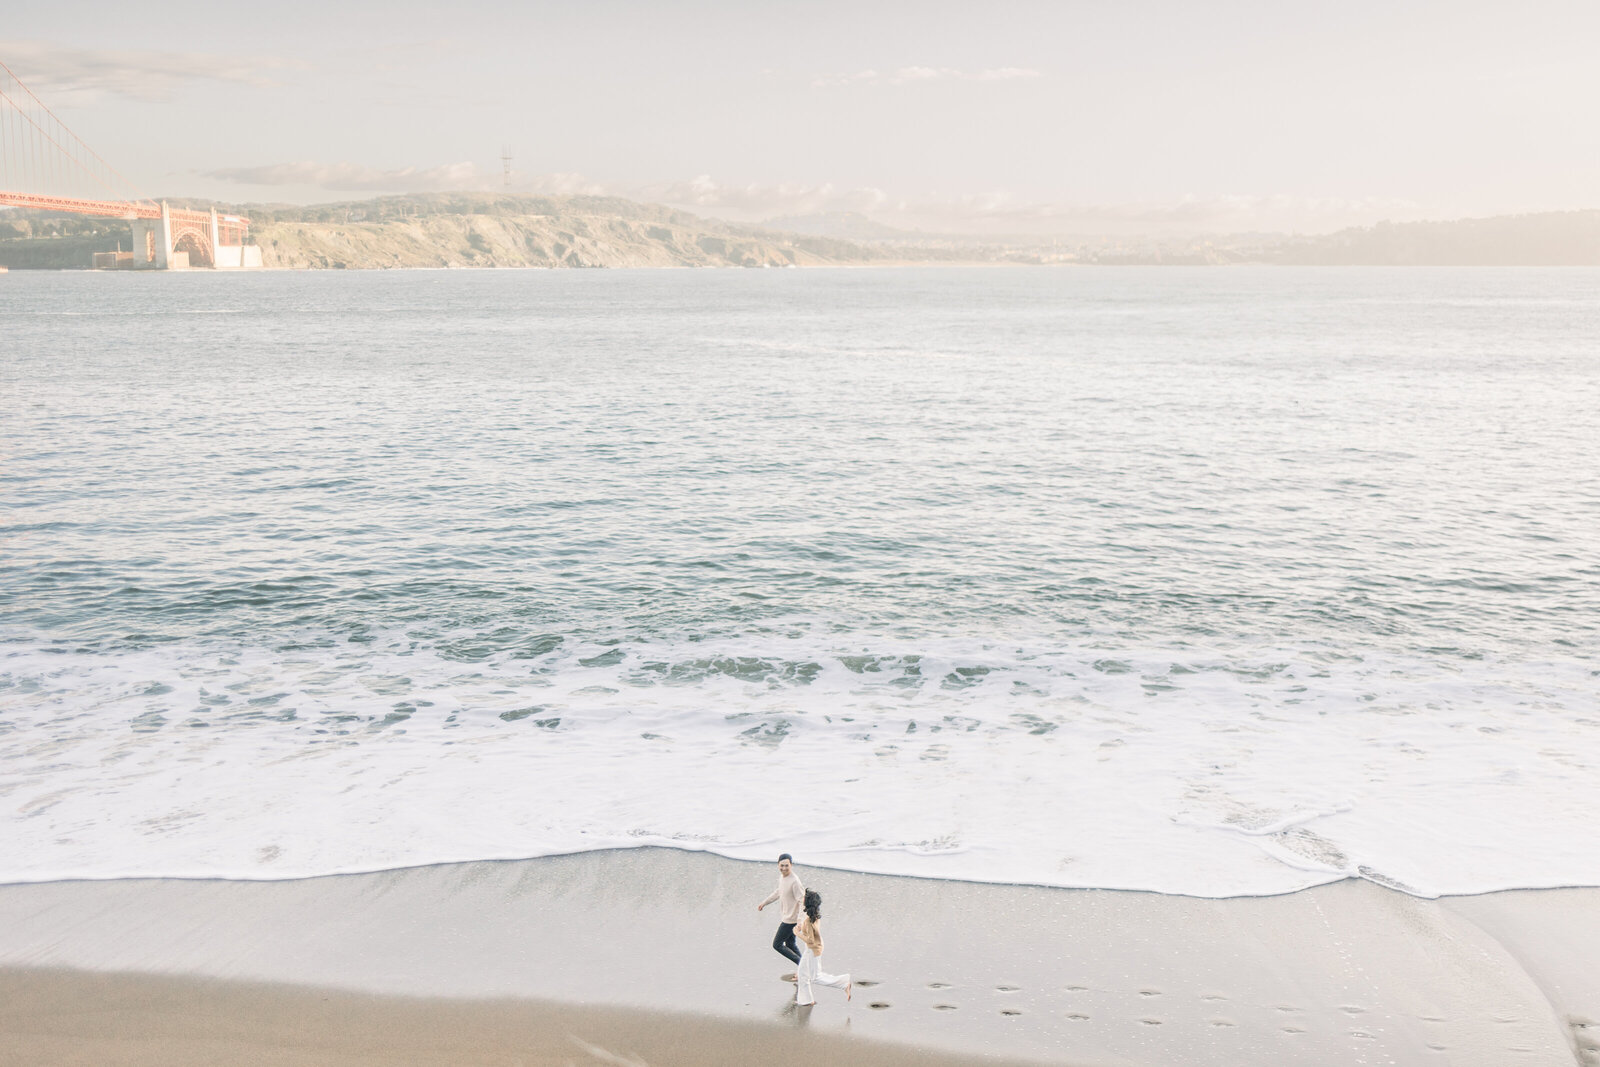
(789, 894)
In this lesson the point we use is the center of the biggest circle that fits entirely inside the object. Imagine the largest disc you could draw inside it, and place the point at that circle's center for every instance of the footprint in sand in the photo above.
(1351, 1009)
(1285, 1007)
(1151, 1022)
(1007, 988)
(1078, 1017)
(938, 985)
(1212, 996)
(878, 1005)
(1009, 1011)
(1362, 1034)
(1223, 1022)
(1149, 992)
(1293, 1030)
(1437, 1048)
(866, 983)
(1077, 989)
(944, 1007)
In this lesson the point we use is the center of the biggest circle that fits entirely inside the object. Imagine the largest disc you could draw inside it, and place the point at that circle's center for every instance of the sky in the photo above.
(1161, 118)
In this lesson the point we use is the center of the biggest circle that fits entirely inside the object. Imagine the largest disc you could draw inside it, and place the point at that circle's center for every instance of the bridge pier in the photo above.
(160, 245)
(152, 242)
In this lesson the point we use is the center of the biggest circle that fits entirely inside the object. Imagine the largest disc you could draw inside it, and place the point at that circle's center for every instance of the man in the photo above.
(790, 894)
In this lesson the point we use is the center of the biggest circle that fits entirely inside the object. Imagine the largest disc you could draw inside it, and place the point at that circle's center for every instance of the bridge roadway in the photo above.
(206, 237)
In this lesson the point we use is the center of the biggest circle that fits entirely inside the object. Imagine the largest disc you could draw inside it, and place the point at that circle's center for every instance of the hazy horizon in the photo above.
(1154, 120)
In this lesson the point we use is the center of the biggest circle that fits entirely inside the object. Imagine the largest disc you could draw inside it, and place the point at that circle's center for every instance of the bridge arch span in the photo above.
(190, 238)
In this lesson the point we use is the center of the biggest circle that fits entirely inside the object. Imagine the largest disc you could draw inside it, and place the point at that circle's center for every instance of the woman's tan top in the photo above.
(811, 933)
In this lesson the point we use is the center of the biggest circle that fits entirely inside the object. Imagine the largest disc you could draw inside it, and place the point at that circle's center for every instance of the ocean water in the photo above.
(1211, 581)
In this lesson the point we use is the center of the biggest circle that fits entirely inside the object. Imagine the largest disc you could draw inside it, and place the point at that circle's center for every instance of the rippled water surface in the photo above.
(1211, 581)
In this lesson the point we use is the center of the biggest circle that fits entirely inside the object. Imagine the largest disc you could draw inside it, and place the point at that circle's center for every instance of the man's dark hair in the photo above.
(785, 856)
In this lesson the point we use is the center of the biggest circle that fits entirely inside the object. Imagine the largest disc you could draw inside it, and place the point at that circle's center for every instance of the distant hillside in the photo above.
(467, 230)
(45, 240)
(490, 230)
(1557, 238)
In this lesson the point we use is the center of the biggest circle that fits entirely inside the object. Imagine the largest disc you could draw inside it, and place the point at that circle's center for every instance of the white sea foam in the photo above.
(1215, 772)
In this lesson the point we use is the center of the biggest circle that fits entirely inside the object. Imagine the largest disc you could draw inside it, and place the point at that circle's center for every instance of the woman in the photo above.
(810, 973)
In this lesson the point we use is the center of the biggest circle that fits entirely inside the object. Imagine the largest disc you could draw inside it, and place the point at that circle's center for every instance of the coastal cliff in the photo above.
(471, 230)
(474, 231)
(504, 230)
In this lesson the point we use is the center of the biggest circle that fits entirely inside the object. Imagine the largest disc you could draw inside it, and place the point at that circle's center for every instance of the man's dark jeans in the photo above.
(784, 943)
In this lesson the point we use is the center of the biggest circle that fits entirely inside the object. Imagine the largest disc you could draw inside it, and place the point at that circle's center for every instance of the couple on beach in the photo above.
(800, 910)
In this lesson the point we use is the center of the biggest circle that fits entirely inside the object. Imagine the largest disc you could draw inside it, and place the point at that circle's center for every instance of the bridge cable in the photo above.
(127, 186)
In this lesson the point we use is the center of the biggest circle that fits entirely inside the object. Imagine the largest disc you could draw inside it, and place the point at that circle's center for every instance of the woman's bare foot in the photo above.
(787, 977)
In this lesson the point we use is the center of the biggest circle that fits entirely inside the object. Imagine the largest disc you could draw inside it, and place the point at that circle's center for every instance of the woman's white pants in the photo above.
(810, 974)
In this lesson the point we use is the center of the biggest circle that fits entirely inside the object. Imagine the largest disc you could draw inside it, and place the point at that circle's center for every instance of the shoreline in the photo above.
(383, 269)
(1343, 972)
(941, 264)
(656, 846)
(824, 869)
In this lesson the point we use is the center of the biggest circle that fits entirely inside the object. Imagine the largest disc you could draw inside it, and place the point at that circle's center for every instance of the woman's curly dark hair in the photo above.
(813, 905)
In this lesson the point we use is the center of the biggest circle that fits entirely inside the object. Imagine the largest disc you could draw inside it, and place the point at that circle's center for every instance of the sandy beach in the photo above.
(71, 1017)
(657, 956)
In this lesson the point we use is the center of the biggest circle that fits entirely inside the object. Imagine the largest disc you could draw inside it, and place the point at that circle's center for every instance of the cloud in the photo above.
(353, 177)
(760, 201)
(914, 74)
(450, 177)
(997, 213)
(63, 76)
(1000, 213)
(700, 194)
(560, 184)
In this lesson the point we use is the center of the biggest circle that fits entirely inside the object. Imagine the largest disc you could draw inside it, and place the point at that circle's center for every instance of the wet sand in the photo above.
(658, 957)
(88, 1019)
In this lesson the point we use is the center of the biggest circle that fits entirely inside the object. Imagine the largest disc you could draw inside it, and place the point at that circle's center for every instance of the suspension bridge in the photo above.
(47, 167)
